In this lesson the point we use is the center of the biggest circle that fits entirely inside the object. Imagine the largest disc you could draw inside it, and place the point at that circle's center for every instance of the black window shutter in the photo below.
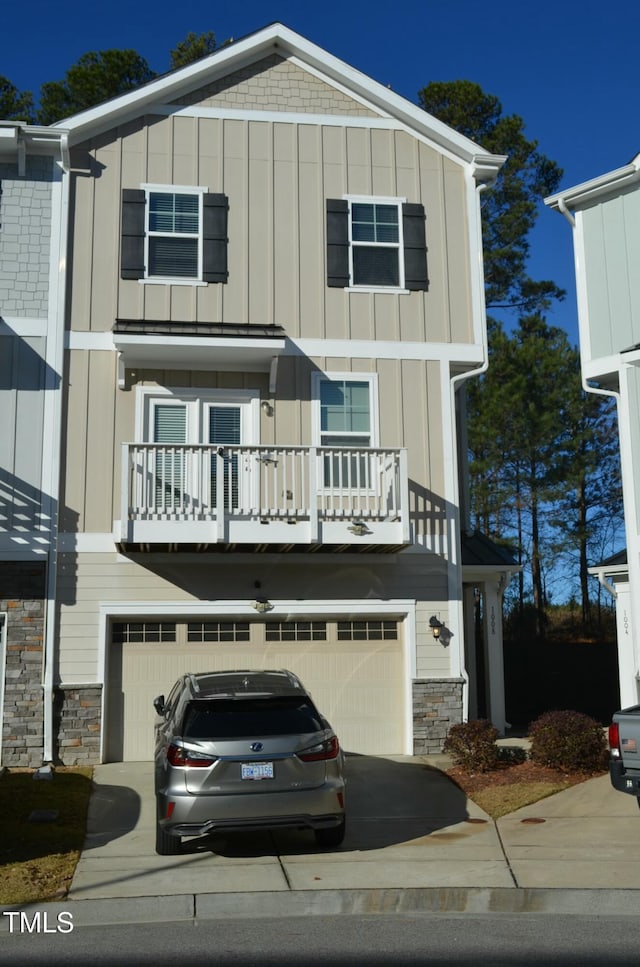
(215, 209)
(338, 243)
(415, 247)
(133, 226)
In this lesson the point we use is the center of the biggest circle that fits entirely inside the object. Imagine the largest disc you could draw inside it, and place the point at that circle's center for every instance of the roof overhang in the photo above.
(153, 347)
(280, 39)
(18, 139)
(580, 196)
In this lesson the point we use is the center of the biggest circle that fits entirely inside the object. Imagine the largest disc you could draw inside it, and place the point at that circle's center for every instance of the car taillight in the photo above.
(324, 750)
(177, 756)
(614, 741)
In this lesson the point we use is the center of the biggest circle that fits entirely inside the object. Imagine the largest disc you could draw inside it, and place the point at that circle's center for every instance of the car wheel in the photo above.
(167, 845)
(332, 836)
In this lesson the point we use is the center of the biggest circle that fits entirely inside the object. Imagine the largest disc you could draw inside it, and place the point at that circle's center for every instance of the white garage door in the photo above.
(353, 669)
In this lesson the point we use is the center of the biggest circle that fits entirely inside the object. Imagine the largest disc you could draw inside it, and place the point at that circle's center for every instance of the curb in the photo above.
(302, 903)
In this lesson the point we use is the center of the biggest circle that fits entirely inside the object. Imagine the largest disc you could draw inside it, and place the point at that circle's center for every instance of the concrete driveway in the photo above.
(408, 826)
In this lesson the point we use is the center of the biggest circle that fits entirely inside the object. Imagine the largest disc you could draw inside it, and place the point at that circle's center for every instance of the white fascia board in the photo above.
(589, 191)
(289, 44)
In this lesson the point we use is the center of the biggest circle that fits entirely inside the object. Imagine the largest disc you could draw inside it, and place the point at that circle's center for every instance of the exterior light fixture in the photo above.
(262, 605)
(436, 626)
(359, 528)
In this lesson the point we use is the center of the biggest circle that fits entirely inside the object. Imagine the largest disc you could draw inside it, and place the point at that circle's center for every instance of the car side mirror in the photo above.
(158, 704)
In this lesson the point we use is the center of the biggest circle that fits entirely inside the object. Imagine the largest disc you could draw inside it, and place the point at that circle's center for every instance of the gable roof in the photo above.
(276, 38)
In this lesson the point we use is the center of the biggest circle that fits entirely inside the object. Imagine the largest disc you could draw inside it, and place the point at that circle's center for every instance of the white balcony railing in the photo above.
(308, 495)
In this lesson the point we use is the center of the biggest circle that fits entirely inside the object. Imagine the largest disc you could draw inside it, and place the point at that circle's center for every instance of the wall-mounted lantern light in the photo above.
(436, 626)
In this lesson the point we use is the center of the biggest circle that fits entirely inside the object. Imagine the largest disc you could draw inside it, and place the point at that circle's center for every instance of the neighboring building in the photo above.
(32, 285)
(605, 216)
(276, 295)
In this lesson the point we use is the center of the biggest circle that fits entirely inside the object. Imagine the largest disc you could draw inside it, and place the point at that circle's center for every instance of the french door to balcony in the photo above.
(195, 441)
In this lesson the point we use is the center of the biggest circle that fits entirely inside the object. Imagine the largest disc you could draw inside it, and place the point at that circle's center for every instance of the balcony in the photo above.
(263, 498)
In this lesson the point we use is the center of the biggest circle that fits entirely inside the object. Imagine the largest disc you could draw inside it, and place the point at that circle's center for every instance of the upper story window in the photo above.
(376, 244)
(376, 251)
(174, 248)
(174, 234)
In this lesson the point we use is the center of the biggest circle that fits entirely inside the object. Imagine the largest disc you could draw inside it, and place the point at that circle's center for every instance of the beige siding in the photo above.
(101, 418)
(277, 178)
(275, 84)
(88, 581)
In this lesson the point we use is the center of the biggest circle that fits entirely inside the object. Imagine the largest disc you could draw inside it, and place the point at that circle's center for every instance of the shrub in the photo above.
(472, 745)
(512, 755)
(568, 740)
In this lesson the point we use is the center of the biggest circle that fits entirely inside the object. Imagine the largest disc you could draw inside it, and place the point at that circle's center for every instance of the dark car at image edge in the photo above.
(245, 750)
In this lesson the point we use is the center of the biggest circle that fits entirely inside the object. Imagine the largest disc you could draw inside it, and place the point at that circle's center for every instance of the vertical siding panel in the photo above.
(358, 162)
(82, 207)
(29, 375)
(133, 164)
(618, 293)
(160, 148)
(390, 393)
(235, 182)
(185, 151)
(457, 235)
(261, 255)
(105, 244)
(100, 443)
(286, 240)
(383, 164)
(124, 432)
(334, 172)
(72, 506)
(312, 260)
(210, 298)
(386, 315)
(440, 258)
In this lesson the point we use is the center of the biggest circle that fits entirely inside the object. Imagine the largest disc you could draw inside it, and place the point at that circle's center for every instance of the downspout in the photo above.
(455, 383)
(54, 384)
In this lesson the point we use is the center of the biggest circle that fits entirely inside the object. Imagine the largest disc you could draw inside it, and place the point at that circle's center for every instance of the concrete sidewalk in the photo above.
(413, 840)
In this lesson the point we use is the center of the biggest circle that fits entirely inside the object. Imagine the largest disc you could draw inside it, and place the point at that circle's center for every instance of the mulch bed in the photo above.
(508, 775)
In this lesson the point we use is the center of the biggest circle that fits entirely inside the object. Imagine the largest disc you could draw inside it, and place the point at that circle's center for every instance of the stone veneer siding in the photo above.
(25, 224)
(76, 724)
(437, 705)
(22, 599)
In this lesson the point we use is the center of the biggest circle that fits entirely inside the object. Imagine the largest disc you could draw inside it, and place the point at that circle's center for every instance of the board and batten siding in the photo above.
(100, 418)
(277, 177)
(611, 235)
(88, 581)
(22, 380)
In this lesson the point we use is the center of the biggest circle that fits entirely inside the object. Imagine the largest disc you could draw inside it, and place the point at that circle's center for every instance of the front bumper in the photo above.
(319, 808)
(624, 780)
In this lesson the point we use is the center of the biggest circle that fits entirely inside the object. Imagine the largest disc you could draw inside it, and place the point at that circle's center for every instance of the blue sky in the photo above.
(570, 70)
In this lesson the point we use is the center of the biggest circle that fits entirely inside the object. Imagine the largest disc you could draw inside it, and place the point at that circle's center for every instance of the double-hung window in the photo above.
(174, 234)
(376, 244)
(174, 238)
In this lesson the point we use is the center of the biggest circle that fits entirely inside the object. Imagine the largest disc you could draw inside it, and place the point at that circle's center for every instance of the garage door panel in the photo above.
(358, 685)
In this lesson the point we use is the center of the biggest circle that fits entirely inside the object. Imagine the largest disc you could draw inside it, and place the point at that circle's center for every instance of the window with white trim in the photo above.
(174, 234)
(174, 240)
(375, 236)
(346, 418)
(376, 243)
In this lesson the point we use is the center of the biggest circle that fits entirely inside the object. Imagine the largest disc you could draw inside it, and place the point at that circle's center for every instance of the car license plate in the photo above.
(257, 770)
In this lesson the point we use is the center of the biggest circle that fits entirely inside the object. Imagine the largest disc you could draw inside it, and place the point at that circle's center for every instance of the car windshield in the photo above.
(233, 719)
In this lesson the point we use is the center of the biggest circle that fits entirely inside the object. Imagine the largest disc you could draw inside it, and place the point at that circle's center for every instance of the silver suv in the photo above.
(245, 750)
